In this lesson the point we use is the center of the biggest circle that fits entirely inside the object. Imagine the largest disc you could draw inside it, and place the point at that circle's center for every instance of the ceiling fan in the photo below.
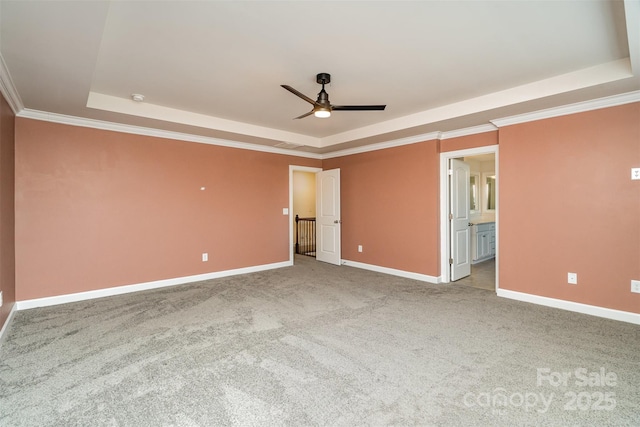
(322, 107)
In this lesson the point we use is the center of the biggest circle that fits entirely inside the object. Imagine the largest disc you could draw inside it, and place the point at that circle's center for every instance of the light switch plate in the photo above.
(572, 278)
(635, 173)
(635, 286)
(285, 211)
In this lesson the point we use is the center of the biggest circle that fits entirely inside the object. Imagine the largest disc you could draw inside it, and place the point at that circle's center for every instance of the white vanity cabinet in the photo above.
(483, 241)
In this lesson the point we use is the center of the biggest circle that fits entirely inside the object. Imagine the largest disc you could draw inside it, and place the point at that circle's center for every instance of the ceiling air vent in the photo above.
(288, 145)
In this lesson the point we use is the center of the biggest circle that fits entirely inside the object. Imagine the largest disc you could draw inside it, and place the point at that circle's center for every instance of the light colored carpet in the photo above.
(319, 345)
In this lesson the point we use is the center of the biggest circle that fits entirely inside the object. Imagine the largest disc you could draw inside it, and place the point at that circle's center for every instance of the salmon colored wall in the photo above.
(98, 209)
(567, 204)
(7, 218)
(390, 206)
(469, 141)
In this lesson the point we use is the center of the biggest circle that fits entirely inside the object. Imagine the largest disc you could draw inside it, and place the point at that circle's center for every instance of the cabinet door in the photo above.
(486, 242)
(492, 243)
(481, 245)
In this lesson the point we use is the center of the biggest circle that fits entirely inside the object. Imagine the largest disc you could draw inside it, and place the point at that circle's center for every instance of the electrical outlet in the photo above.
(572, 278)
(635, 286)
(635, 173)
(359, 248)
(205, 257)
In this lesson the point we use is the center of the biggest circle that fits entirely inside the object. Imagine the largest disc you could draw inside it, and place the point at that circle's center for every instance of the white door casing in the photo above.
(460, 228)
(328, 222)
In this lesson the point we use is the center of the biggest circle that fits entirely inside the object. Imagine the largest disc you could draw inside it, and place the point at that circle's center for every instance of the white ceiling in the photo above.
(214, 68)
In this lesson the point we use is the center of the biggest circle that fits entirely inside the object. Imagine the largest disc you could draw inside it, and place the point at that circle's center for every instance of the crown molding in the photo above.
(8, 89)
(580, 107)
(382, 145)
(494, 124)
(139, 130)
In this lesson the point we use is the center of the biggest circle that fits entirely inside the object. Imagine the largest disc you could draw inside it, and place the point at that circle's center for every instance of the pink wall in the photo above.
(390, 206)
(7, 218)
(97, 209)
(567, 204)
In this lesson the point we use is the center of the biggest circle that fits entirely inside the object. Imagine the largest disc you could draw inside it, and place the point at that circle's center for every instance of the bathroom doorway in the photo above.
(482, 232)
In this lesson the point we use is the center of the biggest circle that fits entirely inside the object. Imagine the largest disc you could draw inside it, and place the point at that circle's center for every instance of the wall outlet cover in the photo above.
(572, 278)
(635, 286)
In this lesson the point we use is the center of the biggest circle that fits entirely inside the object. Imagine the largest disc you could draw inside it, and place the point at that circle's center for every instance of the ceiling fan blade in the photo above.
(299, 94)
(358, 107)
(304, 115)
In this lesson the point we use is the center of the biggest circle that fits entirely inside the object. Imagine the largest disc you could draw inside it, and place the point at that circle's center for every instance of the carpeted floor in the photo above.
(321, 345)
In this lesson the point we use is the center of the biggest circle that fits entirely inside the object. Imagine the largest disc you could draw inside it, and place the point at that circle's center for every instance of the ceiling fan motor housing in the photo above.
(323, 78)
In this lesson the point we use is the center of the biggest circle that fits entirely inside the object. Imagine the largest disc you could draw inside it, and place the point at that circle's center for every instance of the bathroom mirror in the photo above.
(489, 187)
(474, 187)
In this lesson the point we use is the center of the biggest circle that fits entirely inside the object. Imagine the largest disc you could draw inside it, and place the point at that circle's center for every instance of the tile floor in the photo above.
(483, 275)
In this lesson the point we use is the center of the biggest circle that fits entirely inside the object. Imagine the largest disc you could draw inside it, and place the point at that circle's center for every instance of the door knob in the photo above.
(337, 221)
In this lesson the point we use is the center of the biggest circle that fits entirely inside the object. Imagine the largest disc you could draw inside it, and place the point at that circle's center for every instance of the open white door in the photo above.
(460, 234)
(328, 216)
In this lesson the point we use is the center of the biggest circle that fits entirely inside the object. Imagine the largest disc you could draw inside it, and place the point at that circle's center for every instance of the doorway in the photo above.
(302, 201)
(327, 223)
(483, 214)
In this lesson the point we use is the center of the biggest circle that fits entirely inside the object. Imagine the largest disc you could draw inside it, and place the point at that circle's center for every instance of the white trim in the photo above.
(468, 131)
(592, 310)
(392, 271)
(8, 89)
(294, 168)
(119, 290)
(565, 110)
(158, 133)
(382, 145)
(444, 203)
(7, 322)
(148, 110)
(606, 102)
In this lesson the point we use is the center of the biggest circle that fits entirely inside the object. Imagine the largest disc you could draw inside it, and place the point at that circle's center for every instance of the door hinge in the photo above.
(450, 216)
(450, 261)
(450, 171)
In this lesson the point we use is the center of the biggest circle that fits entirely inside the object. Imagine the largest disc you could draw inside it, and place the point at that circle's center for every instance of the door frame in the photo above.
(295, 168)
(445, 227)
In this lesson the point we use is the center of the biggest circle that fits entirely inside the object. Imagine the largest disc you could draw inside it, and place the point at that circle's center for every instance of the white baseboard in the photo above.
(100, 293)
(5, 327)
(608, 313)
(392, 271)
